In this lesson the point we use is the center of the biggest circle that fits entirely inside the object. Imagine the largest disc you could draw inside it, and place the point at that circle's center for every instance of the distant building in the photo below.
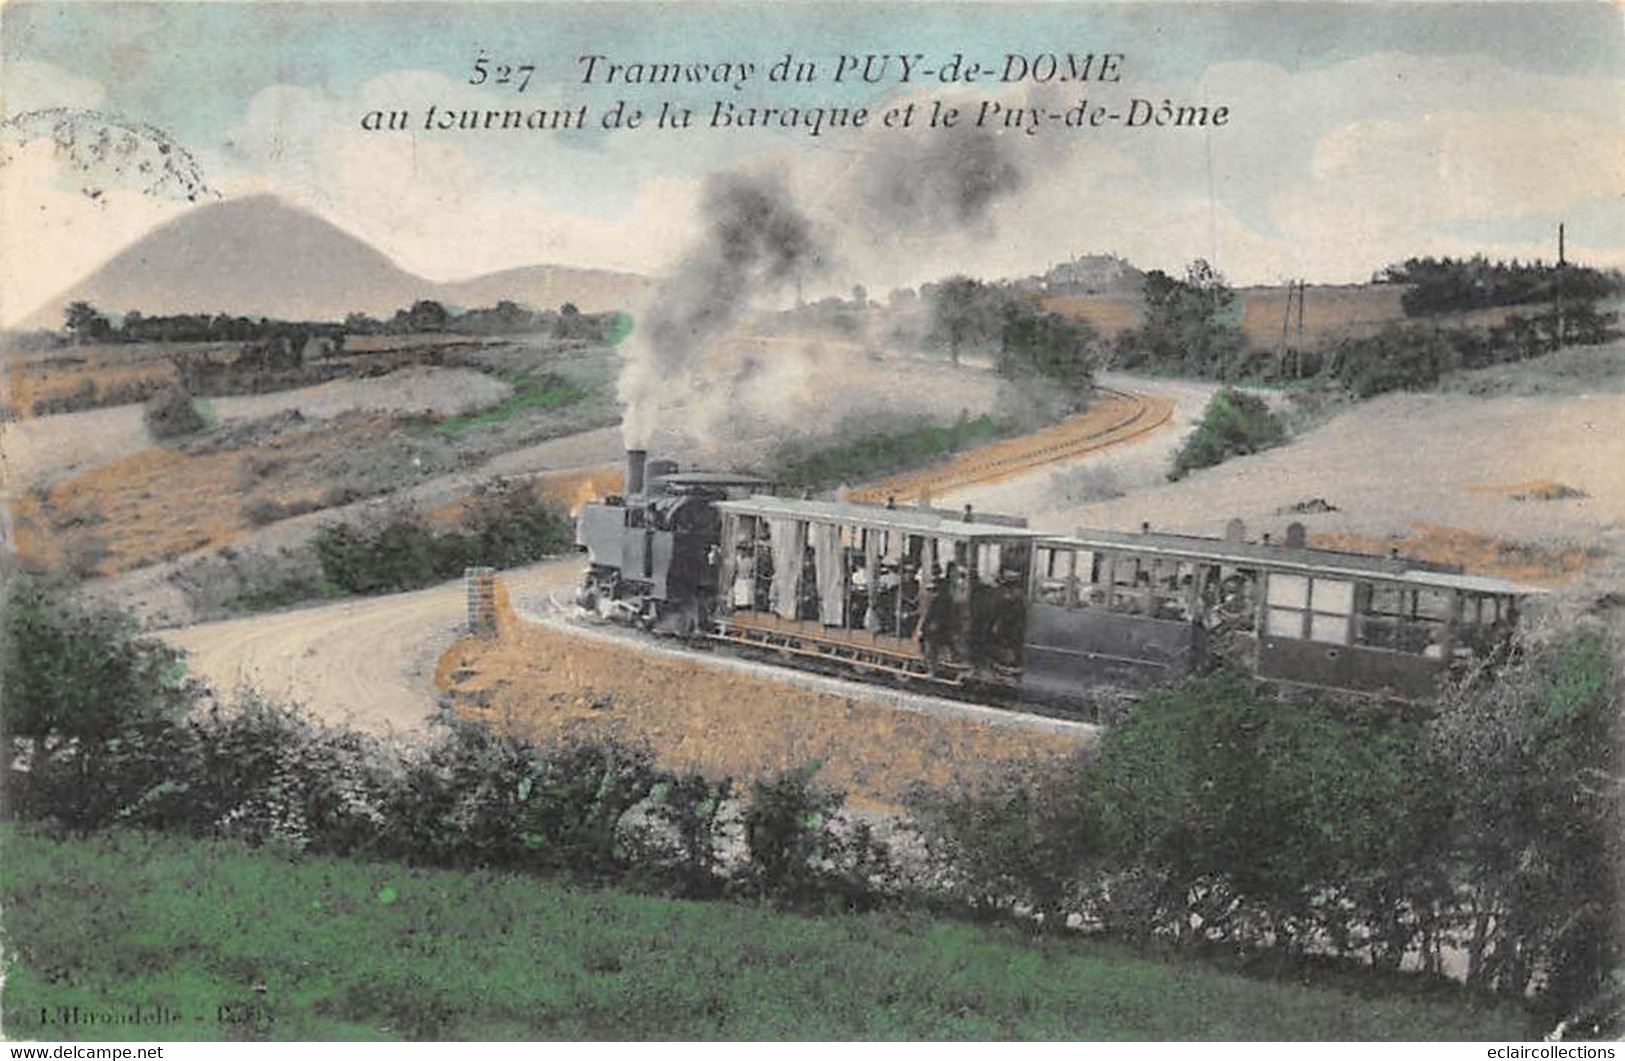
(1093, 274)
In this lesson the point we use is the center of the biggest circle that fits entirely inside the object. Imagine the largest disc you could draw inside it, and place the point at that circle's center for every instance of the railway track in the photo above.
(1125, 416)
(818, 676)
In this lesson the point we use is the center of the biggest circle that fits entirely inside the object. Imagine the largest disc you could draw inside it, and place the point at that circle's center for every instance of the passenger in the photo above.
(744, 586)
(765, 597)
(937, 628)
(1008, 622)
(807, 605)
(911, 592)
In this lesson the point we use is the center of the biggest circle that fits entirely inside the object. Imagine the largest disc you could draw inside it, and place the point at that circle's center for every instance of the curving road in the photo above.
(366, 663)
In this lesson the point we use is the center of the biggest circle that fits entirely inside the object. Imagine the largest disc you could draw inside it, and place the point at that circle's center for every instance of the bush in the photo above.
(797, 848)
(1531, 757)
(474, 798)
(171, 413)
(684, 837)
(1240, 819)
(266, 771)
(83, 396)
(1235, 423)
(91, 708)
(1020, 842)
(505, 527)
(270, 510)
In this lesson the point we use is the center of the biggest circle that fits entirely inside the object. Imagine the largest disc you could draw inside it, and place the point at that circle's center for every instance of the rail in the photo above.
(1000, 460)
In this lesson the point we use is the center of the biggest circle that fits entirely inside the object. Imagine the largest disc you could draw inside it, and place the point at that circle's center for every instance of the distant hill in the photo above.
(262, 256)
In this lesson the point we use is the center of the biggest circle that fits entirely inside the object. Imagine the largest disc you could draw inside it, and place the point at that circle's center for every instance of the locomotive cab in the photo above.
(652, 553)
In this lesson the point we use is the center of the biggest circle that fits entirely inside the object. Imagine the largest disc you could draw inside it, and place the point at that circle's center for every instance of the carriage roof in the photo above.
(709, 479)
(939, 523)
(1297, 559)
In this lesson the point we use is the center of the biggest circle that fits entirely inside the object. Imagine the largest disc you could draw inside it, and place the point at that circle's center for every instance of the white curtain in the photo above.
(727, 561)
(871, 578)
(831, 565)
(789, 554)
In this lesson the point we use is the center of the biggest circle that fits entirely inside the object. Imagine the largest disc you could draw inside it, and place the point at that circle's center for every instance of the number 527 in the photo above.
(517, 75)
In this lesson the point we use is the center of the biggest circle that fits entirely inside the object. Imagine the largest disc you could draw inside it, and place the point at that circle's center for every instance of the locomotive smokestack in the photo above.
(636, 461)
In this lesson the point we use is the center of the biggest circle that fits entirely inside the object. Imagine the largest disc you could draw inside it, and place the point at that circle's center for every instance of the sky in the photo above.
(1358, 133)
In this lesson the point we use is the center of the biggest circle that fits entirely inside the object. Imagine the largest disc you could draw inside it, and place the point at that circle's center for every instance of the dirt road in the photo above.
(367, 663)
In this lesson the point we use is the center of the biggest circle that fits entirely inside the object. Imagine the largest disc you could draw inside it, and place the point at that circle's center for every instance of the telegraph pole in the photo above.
(1558, 282)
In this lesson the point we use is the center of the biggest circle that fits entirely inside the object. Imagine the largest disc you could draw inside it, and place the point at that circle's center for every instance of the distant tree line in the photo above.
(1443, 285)
(84, 323)
(504, 318)
(1191, 327)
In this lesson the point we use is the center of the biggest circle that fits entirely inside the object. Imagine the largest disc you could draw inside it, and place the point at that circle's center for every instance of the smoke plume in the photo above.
(756, 242)
(946, 184)
(695, 373)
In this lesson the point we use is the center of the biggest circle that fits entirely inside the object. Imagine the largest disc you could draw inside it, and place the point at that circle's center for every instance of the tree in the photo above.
(963, 311)
(1189, 325)
(88, 698)
(85, 323)
(1046, 345)
(426, 315)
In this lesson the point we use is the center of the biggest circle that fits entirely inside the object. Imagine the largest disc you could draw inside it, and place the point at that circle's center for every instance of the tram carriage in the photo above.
(915, 591)
(1118, 605)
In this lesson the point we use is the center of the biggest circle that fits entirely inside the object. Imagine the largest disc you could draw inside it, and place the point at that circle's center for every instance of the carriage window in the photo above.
(1173, 587)
(1403, 619)
(1285, 622)
(1130, 585)
(1053, 572)
(1317, 609)
(1289, 591)
(1331, 602)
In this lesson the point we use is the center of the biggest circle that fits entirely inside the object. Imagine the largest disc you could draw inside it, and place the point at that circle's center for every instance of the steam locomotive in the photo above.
(982, 601)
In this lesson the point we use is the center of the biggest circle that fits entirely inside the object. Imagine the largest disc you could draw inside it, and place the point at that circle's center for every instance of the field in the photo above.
(102, 375)
(1329, 311)
(93, 495)
(223, 942)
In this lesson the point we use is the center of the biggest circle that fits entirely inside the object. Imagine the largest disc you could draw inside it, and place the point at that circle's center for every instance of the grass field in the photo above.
(232, 943)
(870, 456)
(530, 391)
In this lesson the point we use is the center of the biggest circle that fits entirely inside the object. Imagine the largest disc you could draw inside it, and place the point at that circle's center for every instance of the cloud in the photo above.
(1380, 191)
(30, 86)
(52, 234)
(453, 204)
